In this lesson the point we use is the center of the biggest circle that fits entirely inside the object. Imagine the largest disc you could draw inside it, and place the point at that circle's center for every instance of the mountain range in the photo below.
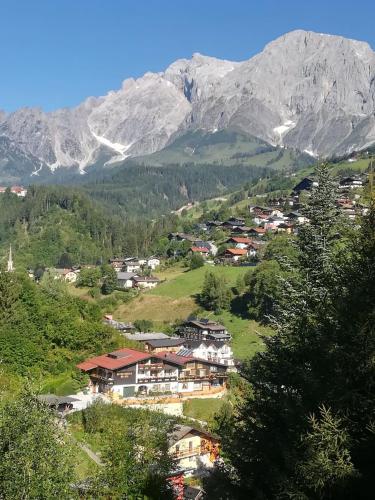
(309, 92)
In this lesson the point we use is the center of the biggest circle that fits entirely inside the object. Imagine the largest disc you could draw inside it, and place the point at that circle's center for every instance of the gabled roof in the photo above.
(259, 230)
(114, 360)
(199, 249)
(125, 276)
(236, 251)
(180, 431)
(206, 324)
(240, 240)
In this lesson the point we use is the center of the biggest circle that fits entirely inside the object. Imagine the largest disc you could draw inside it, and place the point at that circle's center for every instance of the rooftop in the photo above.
(236, 251)
(207, 324)
(240, 240)
(114, 360)
(168, 342)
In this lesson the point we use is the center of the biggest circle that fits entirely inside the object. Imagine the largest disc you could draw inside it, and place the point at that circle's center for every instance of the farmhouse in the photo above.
(239, 242)
(235, 254)
(127, 372)
(203, 251)
(195, 451)
(132, 266)
(257, 232)
(145, 281)
(117, 264)
(69, 275)
(125, 280)
(153, 262)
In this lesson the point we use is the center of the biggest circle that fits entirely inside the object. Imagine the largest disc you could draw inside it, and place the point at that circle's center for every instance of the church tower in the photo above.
(10, 267)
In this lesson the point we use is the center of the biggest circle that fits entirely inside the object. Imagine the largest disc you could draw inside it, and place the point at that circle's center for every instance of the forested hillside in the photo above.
(151, 191)
(59, 223)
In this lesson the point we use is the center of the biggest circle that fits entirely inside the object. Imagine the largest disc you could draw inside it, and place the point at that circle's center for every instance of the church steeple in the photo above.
(10, 267)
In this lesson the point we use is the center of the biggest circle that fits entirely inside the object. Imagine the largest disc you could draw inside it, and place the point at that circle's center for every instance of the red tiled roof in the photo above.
(199, 249)
(258, 230)
(241, 240)
(128, 357)
(237, 251)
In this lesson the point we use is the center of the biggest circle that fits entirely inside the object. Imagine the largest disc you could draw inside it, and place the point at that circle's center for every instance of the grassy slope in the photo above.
(224, 147)
(202, 409)
(175, 299)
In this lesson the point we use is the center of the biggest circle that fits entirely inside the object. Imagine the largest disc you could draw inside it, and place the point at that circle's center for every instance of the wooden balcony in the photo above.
(188, 452)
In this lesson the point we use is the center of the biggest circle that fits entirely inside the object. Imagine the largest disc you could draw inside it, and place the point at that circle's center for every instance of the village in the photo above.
(196, 359)
(237, 241)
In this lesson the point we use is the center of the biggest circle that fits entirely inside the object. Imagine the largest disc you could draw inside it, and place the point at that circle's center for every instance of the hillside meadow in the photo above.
(176, 298)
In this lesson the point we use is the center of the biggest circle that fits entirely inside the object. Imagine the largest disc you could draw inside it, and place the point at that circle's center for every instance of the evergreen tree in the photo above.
(216, 295)
(196, 261)
(109, 275)
(321, 355)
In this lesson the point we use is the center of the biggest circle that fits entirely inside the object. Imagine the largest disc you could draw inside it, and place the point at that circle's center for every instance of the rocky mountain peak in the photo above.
(310, 91)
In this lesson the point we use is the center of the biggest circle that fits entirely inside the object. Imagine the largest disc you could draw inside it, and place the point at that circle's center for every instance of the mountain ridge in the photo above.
(307, 91)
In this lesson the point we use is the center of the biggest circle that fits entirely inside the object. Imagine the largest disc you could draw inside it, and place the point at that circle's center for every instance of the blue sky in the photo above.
(55, 53)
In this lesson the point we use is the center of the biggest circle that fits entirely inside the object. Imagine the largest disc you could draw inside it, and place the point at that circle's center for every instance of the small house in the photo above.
(235, 254)
(125, 279)
(145, 281)
(153, 263)
(170, 344)
(195, 451)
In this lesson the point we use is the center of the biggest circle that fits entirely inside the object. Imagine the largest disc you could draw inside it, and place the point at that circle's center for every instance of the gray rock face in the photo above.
(309, 91)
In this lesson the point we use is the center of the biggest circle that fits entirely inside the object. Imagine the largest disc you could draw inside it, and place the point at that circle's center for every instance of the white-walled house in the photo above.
(126, 372)
(125, 280)
(145, 281)
(153, 262)
(69, 275)
(194, 450)
(211, 350)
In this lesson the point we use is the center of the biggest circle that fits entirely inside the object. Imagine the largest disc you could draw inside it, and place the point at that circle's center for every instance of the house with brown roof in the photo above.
(203, 251)
(239, 242)
(145, 281)
(257, 232)
(235, 254)
(170, 344)
(195, 451)
(127, 372)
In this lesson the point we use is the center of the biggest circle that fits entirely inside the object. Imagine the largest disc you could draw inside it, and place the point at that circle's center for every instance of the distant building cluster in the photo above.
(17, 190)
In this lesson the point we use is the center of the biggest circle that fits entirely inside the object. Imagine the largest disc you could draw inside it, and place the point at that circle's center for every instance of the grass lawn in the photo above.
(189, 283)
(202, 409)
(246, 340)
